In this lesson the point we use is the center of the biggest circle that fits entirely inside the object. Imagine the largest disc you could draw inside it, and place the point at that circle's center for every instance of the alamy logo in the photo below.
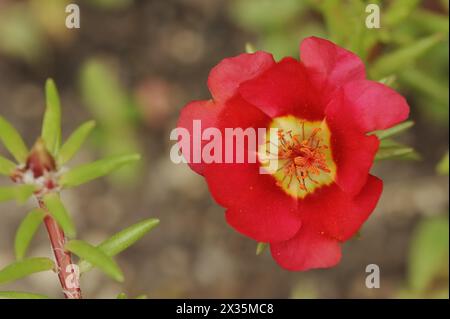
(373, 279)
(373, 17)
(73, 17)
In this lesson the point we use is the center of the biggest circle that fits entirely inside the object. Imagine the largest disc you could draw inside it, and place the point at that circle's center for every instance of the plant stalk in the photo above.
(67, 272)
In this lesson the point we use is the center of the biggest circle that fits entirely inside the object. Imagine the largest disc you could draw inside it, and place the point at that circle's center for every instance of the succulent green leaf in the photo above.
(20, 193)
(51, 127)
(13, 141)
(122, 240)
(56, 208)
(127, 237)
(261, 247)
(26, 231)
(141, 297)
(96, 257)
(6, 166)
(429, 252)
(382, 134)
(21, 295)
(390, 149)
(74, 142)
(23, 268)
(405, 56)
(87, 172)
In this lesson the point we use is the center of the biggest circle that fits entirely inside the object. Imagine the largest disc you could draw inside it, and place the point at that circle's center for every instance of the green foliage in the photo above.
(75, 141)
(394, 130)
(51, 127)
(20, 295)
(115, 112)
(24, 268)
(20, 35)
(57, 210)
(48, 197)
(398, 11)
(430, 21)
(426, 84)
(390, 149)
(429, 253)
(96, 257)
(257, 15)
(122, 295)
(388, 80)
(122, 240)
(280, 24)
(26, 231)
(87, 172)
(13, 141)
(6, 166)
(18, 193)
(394, 61)
(260, 248)
(442, 167)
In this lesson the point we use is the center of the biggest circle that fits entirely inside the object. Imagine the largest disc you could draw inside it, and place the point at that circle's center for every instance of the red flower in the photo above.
(320, 192)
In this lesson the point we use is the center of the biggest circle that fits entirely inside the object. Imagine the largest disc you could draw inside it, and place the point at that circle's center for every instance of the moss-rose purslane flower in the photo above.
(320, 191)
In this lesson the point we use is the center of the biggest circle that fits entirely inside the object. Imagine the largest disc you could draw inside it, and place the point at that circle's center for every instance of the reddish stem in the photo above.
(68, 276)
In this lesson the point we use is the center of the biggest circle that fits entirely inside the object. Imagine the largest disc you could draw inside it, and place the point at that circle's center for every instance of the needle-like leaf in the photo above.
(122, 240)
(20, 193)
(13, 141)
(74, 142)
(394, 130)
(23, 268)
(6, 166)
(51, 127)
(59, 213)
(87, 172)
(96, 257)
(26, 231)
(390, 149)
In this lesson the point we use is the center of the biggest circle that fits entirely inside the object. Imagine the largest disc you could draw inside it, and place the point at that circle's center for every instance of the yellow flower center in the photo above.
(297, 154)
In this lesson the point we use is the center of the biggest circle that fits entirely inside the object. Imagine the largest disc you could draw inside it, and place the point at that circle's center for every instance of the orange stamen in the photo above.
(304, 157)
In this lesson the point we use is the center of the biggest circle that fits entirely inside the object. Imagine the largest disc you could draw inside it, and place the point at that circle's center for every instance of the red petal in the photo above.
(329, 65)
(257, 207)
(206, 112)
(284, 89)
(352, 151)
(337, 214)
(307, 250)
(374, 105)
(226, 77)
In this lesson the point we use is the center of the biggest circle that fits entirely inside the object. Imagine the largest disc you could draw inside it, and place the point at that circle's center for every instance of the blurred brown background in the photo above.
(132, 66)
